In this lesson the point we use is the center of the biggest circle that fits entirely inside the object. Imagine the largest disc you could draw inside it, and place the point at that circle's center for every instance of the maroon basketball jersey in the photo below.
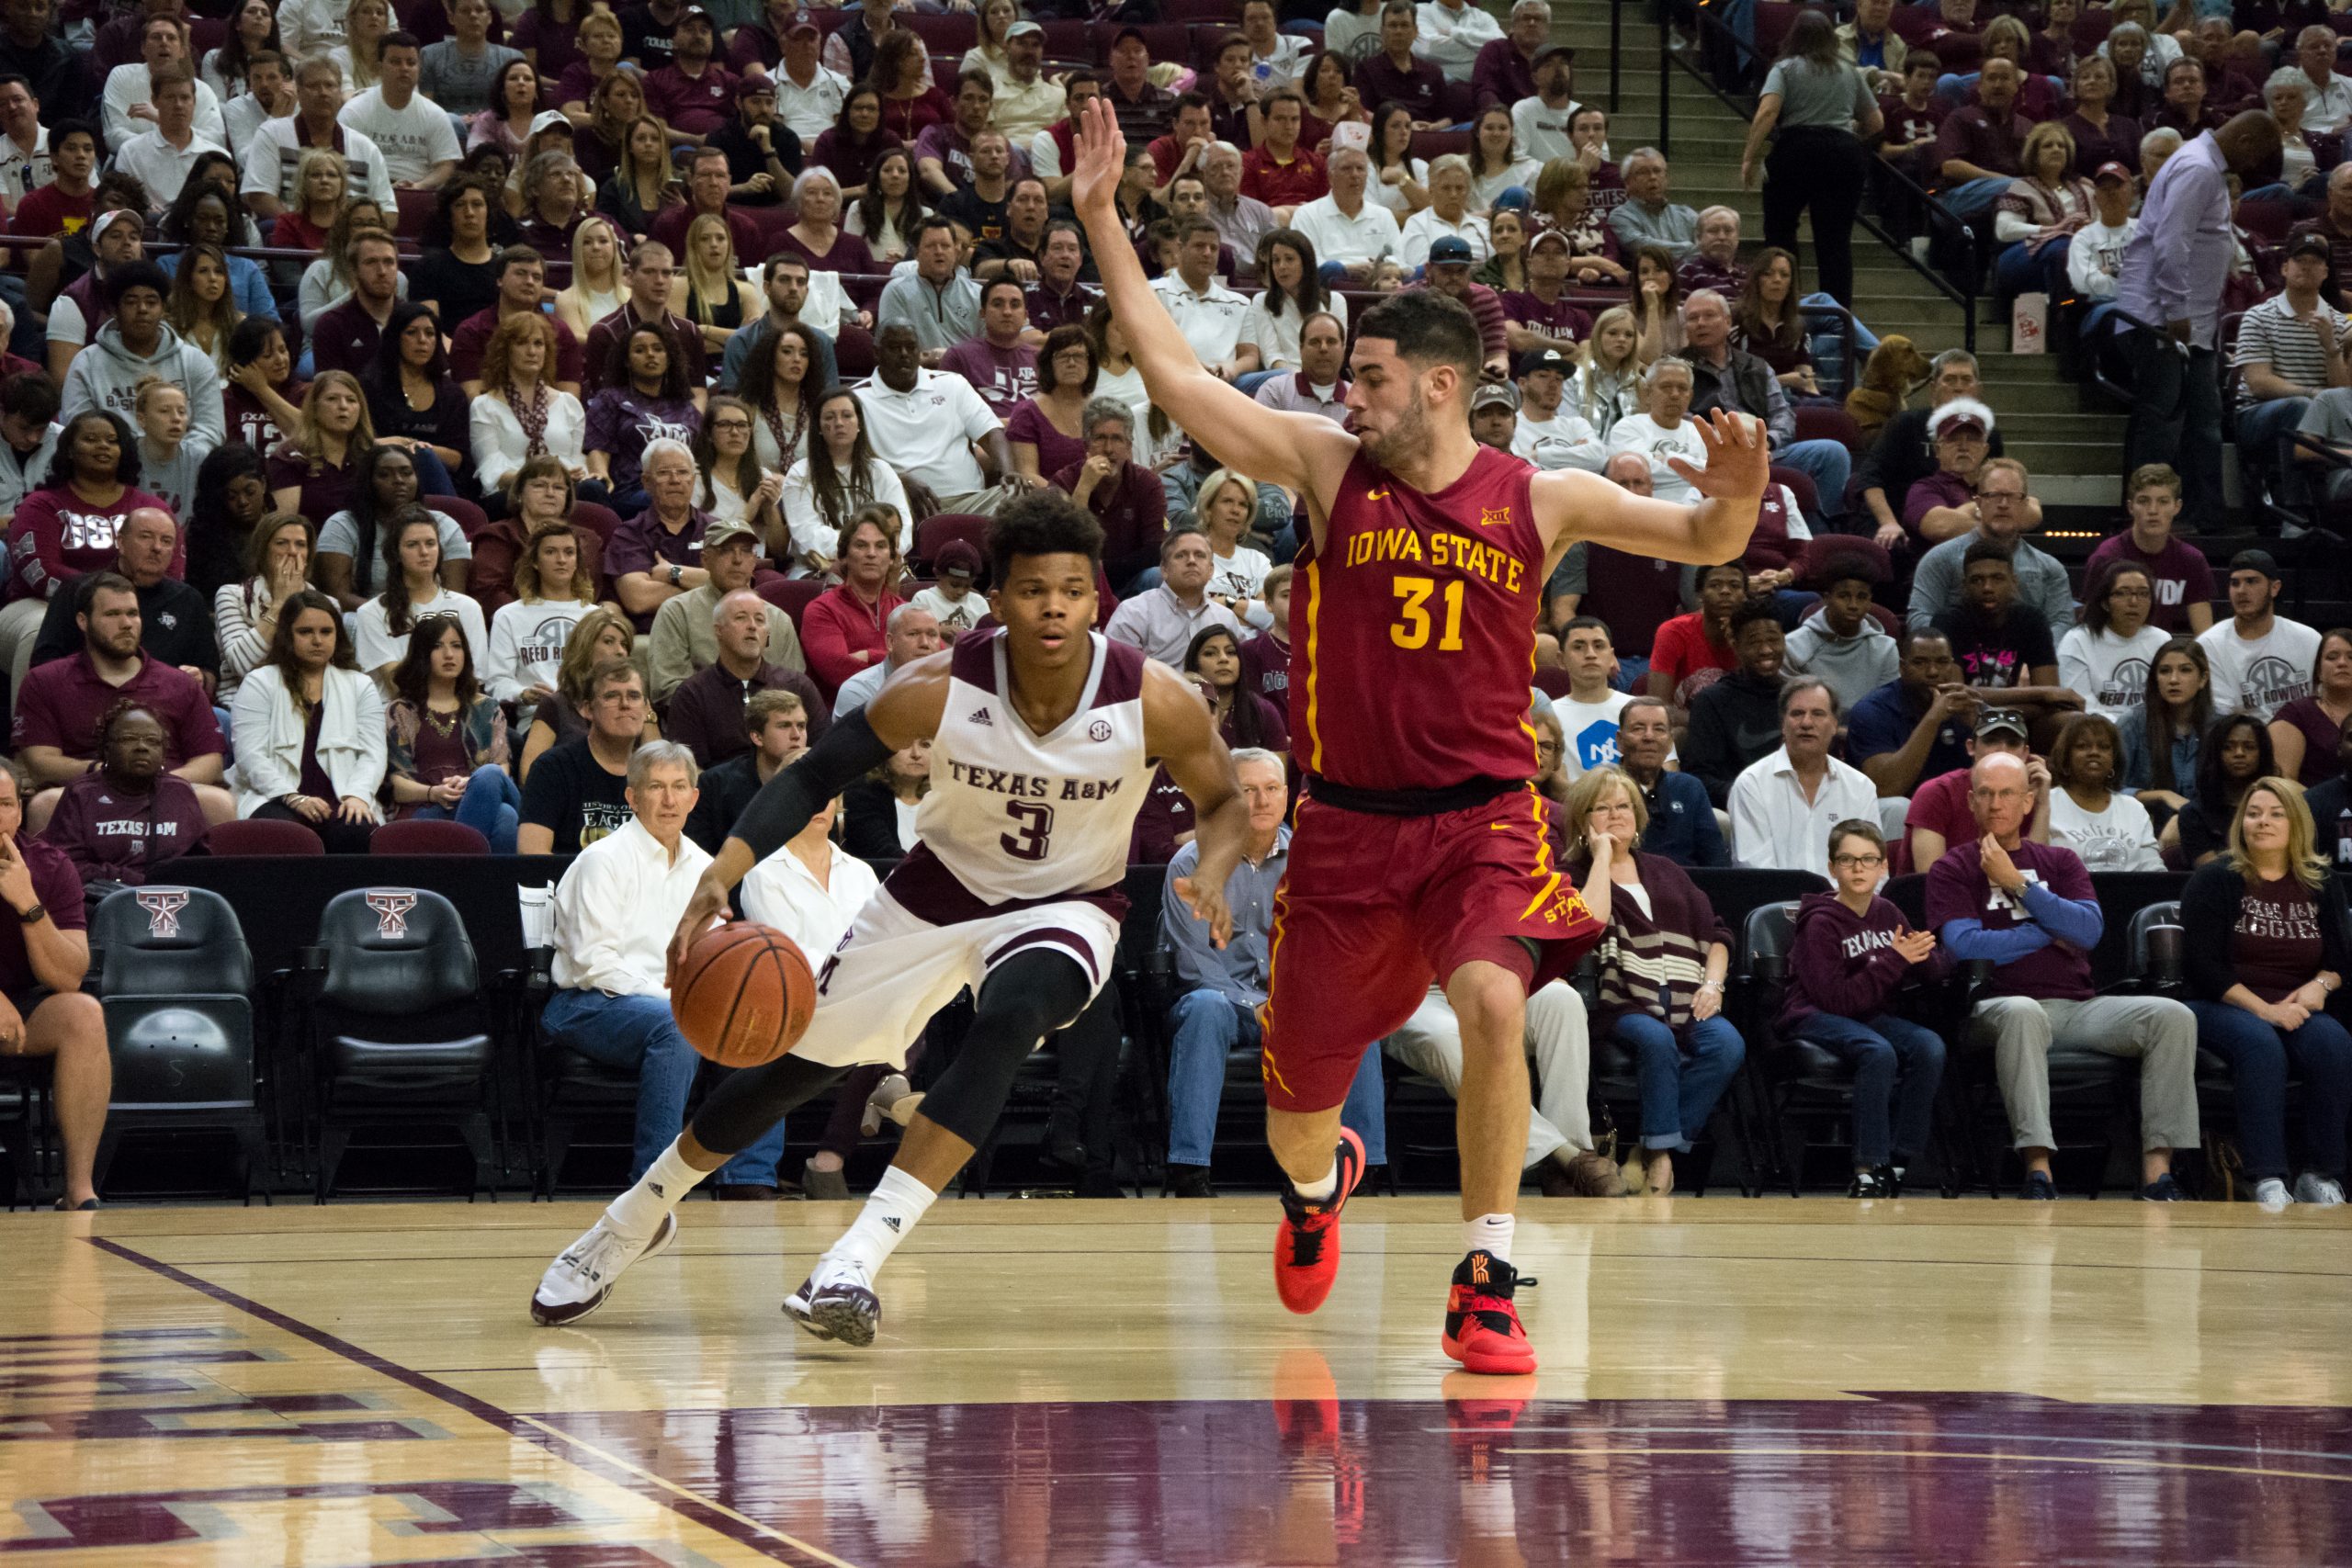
(1412, 633)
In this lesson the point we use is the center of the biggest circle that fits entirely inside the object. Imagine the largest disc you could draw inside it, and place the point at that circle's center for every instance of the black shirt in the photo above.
(446, 423)
(2000, 654)
(985, 219)
(727, 789)
(2331, 808)
(570, 793)
(174, 626)
(745, 160)
(461, 288)
(646, 38)
(60, 75)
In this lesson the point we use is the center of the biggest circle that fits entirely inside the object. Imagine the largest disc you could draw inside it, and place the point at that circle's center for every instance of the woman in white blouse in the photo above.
(1447, 213)
(521, 413)
(412, 590)
(1295, 290)
(839, 478)
(327, 781)
(244, 615)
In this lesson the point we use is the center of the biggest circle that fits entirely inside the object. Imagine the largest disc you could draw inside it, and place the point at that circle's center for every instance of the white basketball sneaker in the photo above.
(837, 1301)
(2318, 1191)
(580, 1278)
(2271, 1193)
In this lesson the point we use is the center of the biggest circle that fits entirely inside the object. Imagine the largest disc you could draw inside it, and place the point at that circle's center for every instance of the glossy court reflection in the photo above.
(1725, 1381)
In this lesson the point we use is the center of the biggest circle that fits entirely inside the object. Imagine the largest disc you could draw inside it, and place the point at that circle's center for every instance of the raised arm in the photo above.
(1571, 505)
(1300, 452)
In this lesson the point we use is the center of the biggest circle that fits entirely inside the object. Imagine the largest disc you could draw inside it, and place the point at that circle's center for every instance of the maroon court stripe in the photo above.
(685, 1505)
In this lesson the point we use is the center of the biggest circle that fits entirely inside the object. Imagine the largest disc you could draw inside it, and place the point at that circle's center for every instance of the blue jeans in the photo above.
(1207, 1027)
(432, 474)
(2015, 271)
(1683, 1073)
(491, 807)
(1825, 339)
(1969, 197)
(1254, 379)
(1827, 463)
(2263, 430)
(1880, 1050)
(2258, 1054)
(638, 1031)
(1631, 667)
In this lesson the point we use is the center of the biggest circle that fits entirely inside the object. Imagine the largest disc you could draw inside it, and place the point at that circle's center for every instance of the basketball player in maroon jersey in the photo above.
(1419, 850)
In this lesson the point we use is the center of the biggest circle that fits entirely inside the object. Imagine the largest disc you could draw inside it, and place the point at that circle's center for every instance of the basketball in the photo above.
(744, 994)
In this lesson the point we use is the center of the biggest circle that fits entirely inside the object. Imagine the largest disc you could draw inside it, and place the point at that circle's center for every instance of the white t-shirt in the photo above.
(1541, 131)
(2108, 671)
(1589, 731)
(1566, 440)
(1640, 432)
(527, 642)
(376, 645)
(2117, 838)
(412, 139)
(2264, 675)
(1240, 575)
(1277, 336)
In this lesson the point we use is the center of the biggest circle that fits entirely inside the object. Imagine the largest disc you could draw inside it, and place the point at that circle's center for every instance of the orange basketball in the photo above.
(744, 994)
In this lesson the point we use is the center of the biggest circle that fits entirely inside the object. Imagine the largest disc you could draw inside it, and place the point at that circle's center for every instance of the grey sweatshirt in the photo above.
(1854, 666)
(107, 374)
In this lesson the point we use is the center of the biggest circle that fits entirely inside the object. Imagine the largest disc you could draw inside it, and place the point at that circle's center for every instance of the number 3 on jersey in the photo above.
(1412, 627)
(1034, 828)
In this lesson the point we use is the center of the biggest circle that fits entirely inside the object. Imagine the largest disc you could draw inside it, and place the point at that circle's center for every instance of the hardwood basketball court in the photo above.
(1063, 1382)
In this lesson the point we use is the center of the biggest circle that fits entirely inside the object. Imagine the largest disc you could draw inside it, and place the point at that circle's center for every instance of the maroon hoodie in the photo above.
(1842, 963)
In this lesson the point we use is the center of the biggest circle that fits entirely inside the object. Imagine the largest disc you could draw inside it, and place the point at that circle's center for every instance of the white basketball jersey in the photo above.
(1019, 816)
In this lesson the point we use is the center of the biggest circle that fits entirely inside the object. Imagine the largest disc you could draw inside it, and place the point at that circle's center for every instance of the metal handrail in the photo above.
(1964, 295)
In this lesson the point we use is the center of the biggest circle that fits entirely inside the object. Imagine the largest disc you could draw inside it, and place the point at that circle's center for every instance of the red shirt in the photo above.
(1277, 184)
(1412, 632)
(695, 105)
(49, 210)
(1683, 653)
(671, 227)
(1940, 805)
(61, 703)
(250, 424)
(835, 627)
(2180, 572)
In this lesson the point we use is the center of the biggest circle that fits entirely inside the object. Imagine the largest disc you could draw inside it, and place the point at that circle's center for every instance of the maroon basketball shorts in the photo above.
(1373, 908)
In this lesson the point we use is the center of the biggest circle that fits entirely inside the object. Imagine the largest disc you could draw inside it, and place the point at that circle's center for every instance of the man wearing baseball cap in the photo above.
(2260, 659)
(1999, 510)
(1540, 316)
(1027, 101)
(763, 154)
(2096, 254)
(694, 95)
(1448, 273)
(809, 93)
(1494, 415)
(2291, 348)
(1550, 435)
(1940, 815)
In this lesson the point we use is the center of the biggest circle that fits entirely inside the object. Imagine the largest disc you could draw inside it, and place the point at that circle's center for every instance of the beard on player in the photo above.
(1393, 439)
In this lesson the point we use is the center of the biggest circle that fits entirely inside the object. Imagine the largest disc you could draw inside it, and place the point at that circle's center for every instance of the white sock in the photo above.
(1490, 1234)
(1318, 1191)
(661, 1189)
(899, 1202)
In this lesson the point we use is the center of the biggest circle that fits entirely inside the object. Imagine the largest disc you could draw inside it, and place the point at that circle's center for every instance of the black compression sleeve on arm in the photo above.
(849, 752)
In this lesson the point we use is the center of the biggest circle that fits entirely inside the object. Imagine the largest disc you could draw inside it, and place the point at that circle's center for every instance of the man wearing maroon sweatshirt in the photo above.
(1851, 954)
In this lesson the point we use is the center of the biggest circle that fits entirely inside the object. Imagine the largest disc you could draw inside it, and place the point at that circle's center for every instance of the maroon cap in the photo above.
(2112, 171)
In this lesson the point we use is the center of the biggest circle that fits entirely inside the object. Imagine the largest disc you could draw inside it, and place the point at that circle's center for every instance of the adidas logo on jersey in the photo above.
(979, 716)
(892, 1221)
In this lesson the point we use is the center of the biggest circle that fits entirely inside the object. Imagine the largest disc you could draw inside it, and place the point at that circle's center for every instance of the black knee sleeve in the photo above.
(749, 1101)
(1029, 996)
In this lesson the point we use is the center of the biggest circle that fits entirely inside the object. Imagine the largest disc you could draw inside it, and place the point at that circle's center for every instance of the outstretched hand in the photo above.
(1102, 159)
(1740, 458)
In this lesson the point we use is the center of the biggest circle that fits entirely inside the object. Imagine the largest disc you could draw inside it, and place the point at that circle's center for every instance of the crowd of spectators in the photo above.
(421, 411)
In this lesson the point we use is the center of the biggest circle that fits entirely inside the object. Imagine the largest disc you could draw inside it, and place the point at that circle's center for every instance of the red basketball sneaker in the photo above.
(1482, 1329)
(1307, 1246)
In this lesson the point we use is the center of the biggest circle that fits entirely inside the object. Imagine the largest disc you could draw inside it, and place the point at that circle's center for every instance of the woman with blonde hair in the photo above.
(644, 183)
(324, 186)
(1564, 201)
(2036, 217)
(615, 105)
(1664, 955)
(708, 290)
(2265, 945)
(602, 633)
(1609, 380)
(201, 307)
(170, 452)
(522, 413)
(1225, 504)
(597, 287)
(316, 471)
(987, 52)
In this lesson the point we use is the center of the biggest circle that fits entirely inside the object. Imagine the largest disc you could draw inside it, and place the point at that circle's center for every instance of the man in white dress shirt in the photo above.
(162, 154)
(1207, 313)
(1348, 231)
(1784, 806)
(616, 910)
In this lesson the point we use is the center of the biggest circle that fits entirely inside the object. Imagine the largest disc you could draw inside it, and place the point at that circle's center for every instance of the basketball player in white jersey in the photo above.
(1044, 738)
